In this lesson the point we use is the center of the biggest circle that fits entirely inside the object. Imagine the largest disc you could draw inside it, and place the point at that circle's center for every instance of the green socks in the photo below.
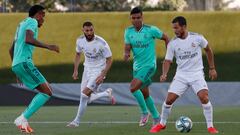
(151, 107)
(38, 101)
(140, 99)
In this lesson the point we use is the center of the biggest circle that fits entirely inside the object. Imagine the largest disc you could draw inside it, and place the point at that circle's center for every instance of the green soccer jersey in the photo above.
(22, 50)
(143, 44)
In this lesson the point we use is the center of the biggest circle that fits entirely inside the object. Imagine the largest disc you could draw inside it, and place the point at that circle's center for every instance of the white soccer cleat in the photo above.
(23, 125)
(111, 97)
(73, 124)
(143, 120)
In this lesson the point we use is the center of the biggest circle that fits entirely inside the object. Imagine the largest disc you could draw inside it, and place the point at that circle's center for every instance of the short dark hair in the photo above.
(34, 9)
(87, 23)
(136, 10)
(181, 20)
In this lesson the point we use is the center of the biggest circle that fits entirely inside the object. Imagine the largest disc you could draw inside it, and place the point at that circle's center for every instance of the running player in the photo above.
(21, 53)
(140, 38)
(98, 60)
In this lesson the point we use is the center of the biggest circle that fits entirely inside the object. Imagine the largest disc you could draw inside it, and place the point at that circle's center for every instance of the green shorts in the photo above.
(28, 74)
(145, 74)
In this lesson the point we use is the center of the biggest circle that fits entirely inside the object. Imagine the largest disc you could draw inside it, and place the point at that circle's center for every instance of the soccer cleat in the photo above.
(157, 128)
(212, 130)
(111, 97)
(144, 119)
(73, 124)
(23, 125)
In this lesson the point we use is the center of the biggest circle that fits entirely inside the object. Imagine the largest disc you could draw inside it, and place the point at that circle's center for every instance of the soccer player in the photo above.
(140, 38)
(22, 65)
(187, 49)
(98, 60)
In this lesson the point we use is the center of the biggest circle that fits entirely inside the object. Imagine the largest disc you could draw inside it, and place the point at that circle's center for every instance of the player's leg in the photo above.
(106, 93)
(151, 106)
(39, 100)
(94, 73)
(176, 89)
(32, 78)
(201, 89)
(84, 82)
(137, 93)
(145, 75)
(85, 94)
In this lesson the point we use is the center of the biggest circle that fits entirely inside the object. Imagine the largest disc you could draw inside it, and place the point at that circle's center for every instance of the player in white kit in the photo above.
(186, 47)
(98, 60)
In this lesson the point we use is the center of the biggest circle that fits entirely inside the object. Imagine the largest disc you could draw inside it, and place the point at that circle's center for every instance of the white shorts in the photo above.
(184, 81)
(89, 77)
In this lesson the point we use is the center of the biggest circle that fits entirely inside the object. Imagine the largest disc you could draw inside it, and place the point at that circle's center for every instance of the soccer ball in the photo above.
(184, 124)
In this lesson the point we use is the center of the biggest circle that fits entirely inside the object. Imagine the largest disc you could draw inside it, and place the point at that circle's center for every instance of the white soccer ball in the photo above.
(184, 124)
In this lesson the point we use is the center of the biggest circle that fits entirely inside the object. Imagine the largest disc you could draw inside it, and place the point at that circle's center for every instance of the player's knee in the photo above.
(204, 99)
(87, 92)
(135, 85)
(50, 93)
(133, 89)
(169, 101)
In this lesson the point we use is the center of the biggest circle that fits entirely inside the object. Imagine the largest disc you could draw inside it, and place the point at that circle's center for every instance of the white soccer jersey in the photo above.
(95, 51)
(188, 52)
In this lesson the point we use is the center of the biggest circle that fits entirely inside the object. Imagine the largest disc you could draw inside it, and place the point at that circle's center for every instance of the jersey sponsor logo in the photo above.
(188, 55)
(139, 44)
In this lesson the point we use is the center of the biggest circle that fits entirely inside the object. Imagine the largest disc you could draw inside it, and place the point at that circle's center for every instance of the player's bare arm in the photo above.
(30, 40)
(210, 58)
(165, 68)
(165, 38)
(104, 72)
(11, 50)
(127, 51)
(76, 64)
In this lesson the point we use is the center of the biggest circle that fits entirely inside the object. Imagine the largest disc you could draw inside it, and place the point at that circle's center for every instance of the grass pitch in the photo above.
(116, 120)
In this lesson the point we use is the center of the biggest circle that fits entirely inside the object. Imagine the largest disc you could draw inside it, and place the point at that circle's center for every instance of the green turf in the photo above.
(113, 114)
(220, 28)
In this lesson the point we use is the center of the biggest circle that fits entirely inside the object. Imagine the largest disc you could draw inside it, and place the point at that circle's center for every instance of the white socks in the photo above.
(166, 110)
(82, 107)
(208, 113)
(95, 96)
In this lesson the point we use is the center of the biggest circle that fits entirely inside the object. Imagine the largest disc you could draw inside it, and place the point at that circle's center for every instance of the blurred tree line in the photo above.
(111, 5)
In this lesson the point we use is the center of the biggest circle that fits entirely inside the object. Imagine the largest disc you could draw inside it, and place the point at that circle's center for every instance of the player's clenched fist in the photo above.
(163, 78)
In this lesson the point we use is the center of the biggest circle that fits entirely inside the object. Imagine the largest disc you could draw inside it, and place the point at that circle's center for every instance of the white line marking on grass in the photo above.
(113, 122)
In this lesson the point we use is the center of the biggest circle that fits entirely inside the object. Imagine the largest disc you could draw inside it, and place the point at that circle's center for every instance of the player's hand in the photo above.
(163, 78)
(100, 78)
(126, 57)
(212, 74)
(53, 48)
(19, 82)
(75, 75)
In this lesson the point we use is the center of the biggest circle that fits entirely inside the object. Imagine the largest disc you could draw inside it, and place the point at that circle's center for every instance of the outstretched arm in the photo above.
(31, 40)
(76, 64)
(165, 68)
(104, 72)
(210, 58)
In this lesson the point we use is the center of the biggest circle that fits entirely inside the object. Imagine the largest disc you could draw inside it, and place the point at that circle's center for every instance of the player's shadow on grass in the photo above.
(227, 65)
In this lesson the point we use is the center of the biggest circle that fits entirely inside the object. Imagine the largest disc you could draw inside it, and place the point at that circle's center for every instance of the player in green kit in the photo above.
(140, 38)
(22, 64)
